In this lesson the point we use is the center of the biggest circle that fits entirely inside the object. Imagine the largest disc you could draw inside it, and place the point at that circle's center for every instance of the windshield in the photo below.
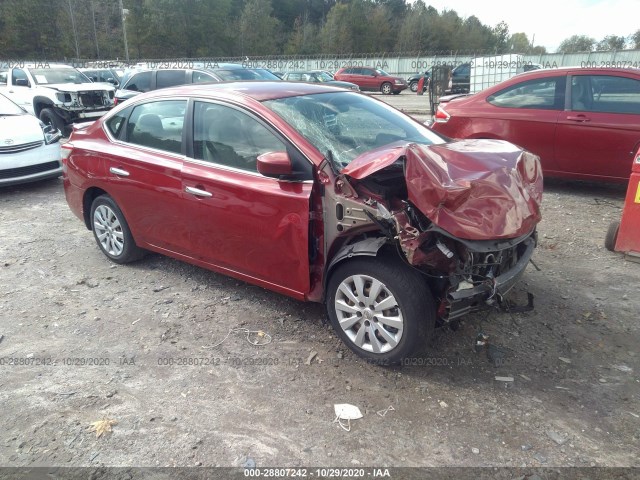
(324, 77)
(382, 73)
(348, 124)
(246, 74)
(7, 107)
(43, 76)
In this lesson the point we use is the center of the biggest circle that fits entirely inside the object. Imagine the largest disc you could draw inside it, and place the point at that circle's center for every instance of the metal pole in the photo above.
(95, 33)
(75, 33)
(124, 30)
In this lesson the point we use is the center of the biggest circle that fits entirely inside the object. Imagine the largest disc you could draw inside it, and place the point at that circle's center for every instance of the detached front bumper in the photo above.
(464, 301)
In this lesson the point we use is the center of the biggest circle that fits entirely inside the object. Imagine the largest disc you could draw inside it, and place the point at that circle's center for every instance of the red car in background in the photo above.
(315, 192)
(584, 123)
(371, 79)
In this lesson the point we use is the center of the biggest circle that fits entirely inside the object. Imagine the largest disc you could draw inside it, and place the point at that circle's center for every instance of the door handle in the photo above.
(197, 192)
(578, 118)
(119, 172)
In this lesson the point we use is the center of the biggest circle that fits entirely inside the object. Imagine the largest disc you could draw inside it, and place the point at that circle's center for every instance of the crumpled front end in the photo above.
(463, 213)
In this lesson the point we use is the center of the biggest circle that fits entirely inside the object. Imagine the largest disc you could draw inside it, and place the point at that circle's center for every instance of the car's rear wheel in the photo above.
(414, 86)
(380, 308)
(111, 231)
(50, 117)
(612, 236)
(386, 88)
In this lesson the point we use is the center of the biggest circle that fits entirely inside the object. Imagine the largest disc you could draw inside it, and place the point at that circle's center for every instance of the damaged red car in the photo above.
(315, 192)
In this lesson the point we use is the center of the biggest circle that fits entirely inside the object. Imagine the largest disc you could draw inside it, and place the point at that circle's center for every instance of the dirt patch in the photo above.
(85, 340)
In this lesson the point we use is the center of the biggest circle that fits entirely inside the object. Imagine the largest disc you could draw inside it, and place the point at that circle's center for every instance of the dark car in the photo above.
(371, 79)
(460, 79)
(415, 79)
(145, 80)
(318, 76)
(583, 123)
(321, 194)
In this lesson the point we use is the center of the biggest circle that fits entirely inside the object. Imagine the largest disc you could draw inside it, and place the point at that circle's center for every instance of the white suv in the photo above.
(59, 95)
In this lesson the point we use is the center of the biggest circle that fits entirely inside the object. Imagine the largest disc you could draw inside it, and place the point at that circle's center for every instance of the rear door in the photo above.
(143, 167)
(600, 130)
(241, 222)
(525, 113)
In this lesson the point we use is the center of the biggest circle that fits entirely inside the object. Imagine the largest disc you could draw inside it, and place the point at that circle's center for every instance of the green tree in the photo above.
(611, 42)
(635, 39)
(259, 29)
(576, 43)
(501, 37)
(519, 43)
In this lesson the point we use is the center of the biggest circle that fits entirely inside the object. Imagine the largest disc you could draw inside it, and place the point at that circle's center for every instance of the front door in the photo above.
(242, 222)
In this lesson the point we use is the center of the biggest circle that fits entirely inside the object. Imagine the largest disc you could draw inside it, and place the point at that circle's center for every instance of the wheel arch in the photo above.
(367, 247)
(89, 196)
(40, 103)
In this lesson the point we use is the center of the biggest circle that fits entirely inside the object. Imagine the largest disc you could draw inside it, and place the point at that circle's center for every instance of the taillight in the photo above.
(65, 150)
(115, 101)
(441, 115)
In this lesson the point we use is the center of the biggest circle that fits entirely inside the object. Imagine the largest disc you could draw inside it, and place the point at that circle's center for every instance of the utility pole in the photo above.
(124, 14)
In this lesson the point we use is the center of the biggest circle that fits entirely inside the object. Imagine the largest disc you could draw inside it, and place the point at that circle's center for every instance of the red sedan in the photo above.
(584, 123)
(315, 192)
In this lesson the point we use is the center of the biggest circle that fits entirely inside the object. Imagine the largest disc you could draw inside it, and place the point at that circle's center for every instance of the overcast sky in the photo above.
(552, 20)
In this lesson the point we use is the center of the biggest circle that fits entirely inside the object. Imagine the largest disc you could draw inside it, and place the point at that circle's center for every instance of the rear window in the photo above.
(115, 123)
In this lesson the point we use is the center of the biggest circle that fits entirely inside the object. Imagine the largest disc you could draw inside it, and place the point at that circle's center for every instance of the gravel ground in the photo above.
(147, 346)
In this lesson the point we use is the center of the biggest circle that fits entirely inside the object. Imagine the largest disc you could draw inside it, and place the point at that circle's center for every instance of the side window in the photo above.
(170, 78)
(200, 77)
(3, 78)
(605, 93)
(19, 78)
(140, 82)
(115, 123)
(158, 125)
(544, 93)
(227, 136)
(294, 77)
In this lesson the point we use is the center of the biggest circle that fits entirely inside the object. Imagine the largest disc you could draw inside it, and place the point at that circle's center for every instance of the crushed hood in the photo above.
(473, 189)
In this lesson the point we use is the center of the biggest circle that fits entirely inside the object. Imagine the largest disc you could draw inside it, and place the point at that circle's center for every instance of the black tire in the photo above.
(612, 236)
(411, 300)
(386, 88)
(50, 117)
(414, 86)
(114, 238)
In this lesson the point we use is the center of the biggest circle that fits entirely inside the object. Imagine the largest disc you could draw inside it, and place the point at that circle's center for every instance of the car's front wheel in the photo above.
(112, 232)
(48, 116)
(414, 86)
(382, 309)
(386, 88)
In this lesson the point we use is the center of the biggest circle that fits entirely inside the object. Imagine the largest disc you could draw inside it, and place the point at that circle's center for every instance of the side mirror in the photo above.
(274, 164)
(22, 82)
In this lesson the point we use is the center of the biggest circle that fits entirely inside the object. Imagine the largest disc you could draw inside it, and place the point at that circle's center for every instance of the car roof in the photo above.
(256, 89)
